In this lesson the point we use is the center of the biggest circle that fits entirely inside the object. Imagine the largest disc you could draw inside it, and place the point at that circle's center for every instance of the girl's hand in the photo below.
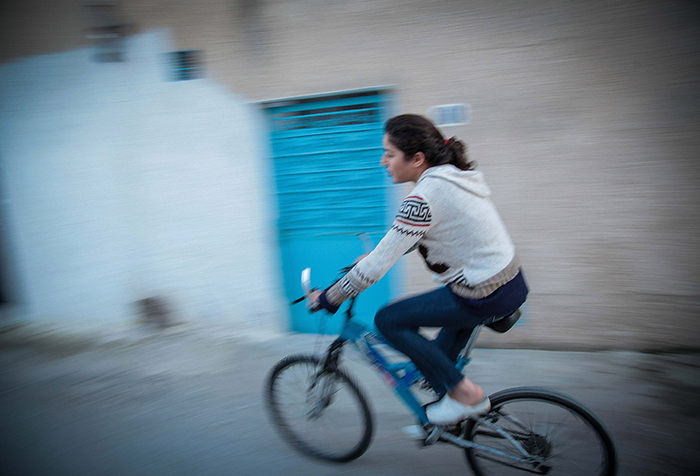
(312, 302)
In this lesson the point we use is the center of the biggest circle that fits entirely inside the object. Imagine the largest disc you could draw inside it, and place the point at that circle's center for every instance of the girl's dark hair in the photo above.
(412, 133)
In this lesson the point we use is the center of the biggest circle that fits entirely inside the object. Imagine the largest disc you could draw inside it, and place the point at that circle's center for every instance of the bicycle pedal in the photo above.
(414, 432)
(434, 435)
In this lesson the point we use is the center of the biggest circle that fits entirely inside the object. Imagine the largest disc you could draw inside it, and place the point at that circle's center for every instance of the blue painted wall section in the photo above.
(330, 188)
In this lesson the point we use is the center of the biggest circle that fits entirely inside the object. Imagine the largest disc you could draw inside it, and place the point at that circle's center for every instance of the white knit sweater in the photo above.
(450, 219)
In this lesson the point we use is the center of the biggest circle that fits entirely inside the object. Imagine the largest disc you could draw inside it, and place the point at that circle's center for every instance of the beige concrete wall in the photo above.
(586, 122)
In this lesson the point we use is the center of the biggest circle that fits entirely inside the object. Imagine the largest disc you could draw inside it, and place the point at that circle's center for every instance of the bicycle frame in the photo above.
(401, 376)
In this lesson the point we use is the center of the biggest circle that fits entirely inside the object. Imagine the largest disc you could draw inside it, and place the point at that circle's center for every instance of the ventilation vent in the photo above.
(186, 65)
(106, 30)
(339, 110)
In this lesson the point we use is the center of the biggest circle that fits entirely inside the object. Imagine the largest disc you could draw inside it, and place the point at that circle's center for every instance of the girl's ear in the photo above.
(418, 160)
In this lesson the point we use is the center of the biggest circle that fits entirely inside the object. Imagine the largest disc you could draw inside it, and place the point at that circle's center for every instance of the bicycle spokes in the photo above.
(539, 431)
(320, 394)
(321, 413)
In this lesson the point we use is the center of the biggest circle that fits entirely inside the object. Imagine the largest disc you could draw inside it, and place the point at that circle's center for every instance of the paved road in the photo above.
(188, 403)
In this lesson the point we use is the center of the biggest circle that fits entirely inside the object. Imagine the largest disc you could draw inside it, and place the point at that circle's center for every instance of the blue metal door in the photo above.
(330, 188)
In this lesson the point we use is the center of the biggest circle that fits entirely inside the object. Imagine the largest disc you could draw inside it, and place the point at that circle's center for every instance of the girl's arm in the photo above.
(411, 223)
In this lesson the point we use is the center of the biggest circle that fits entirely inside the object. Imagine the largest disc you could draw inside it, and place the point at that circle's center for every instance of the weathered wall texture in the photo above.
(586, 121)
(122, 186)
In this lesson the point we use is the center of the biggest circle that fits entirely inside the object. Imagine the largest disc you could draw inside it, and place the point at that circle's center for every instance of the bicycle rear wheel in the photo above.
(322, 414)
(558, 434)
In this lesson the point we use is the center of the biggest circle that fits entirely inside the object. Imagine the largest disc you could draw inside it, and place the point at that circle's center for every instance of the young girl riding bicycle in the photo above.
(450, 219)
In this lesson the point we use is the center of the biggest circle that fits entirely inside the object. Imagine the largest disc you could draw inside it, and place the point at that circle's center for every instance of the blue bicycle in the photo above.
(320, 409)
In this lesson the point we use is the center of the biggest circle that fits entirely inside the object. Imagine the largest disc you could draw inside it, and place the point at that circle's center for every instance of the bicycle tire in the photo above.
(345, 439)
(550, 435)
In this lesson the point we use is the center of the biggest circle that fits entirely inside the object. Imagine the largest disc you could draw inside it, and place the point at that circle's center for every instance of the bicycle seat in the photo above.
(505, 323)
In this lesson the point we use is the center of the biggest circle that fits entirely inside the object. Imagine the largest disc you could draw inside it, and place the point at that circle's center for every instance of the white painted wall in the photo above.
(121, 185)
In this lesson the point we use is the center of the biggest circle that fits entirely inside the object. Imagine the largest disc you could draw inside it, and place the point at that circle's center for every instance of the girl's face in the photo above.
(400, 169)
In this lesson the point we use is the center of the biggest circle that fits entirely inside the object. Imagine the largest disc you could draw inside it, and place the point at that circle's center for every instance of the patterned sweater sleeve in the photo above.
(411, 223)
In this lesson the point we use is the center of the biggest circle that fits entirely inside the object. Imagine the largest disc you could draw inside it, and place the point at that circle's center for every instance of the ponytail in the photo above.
(412, 133)
(454, 152)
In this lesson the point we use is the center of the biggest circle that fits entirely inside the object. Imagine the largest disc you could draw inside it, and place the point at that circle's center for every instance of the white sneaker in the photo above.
(449, 411)
(414, 432)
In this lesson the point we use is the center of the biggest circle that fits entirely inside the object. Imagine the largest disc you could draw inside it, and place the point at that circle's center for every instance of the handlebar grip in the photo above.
(306, 280)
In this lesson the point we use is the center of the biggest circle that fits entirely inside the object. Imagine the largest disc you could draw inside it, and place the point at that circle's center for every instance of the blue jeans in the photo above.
(458, 317)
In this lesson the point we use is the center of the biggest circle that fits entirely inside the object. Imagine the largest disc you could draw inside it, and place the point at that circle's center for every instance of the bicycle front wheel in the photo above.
(322, 414)
(541, 431)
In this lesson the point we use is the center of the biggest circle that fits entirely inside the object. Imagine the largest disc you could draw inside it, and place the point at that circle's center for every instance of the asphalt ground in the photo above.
(189, 402)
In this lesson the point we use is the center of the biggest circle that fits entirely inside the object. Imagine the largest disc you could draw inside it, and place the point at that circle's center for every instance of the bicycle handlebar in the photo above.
(306, 282)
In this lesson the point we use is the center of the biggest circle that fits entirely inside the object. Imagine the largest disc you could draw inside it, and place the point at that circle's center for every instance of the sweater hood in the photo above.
(470, 180)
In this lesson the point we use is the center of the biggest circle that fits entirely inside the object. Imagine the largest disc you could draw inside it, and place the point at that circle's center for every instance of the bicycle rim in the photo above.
(324, 416)
(558, 434)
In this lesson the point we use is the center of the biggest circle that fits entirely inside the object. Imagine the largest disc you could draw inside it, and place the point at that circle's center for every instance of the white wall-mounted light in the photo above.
(451, 114)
